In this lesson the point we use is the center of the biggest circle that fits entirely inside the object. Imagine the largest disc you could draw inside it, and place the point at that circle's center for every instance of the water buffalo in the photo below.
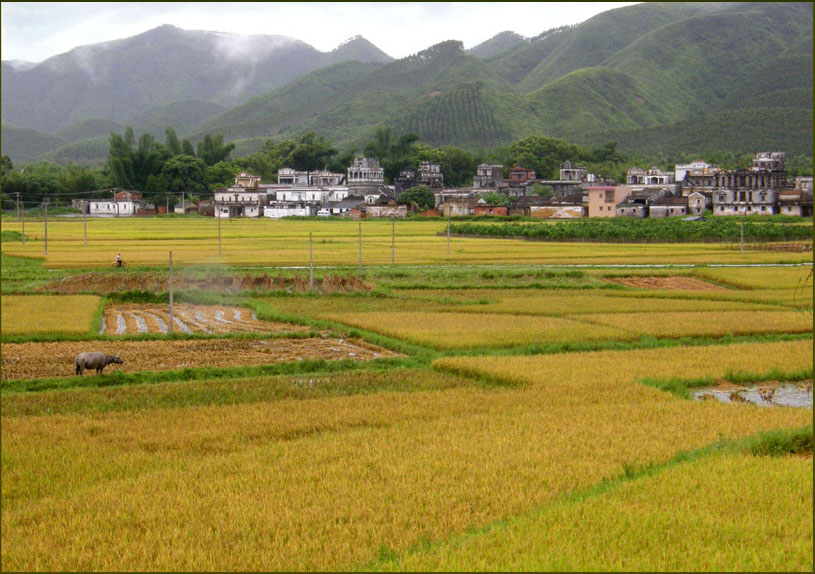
(96, 361)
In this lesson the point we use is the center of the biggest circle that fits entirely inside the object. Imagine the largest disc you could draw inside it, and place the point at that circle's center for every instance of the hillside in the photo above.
(651, 69)
(119, 80)
(498, 44)
(654, 76)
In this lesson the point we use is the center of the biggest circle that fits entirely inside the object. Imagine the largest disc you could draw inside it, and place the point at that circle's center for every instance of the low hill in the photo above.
(23, 145)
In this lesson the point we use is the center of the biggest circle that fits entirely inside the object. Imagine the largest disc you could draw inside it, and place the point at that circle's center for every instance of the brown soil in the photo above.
(98, 282)
(137, 318)
(683, 283)
(56, 359)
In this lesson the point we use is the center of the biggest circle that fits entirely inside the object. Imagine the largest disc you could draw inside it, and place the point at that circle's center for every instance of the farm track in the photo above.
(25, 360)
(682, 283)
(132, 319)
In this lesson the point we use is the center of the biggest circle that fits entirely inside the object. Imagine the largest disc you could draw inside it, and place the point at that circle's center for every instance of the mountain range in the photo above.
(655, 77)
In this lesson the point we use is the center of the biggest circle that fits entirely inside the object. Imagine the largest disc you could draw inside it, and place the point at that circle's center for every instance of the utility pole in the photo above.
(84, 223)
(116, 214)
(22, 222)
(360, 250)
(742, 236)
(393, 240)
(310, 266)
(18, 206)
(45, 205)
(218, 217)
(448, 236)
(170, 284)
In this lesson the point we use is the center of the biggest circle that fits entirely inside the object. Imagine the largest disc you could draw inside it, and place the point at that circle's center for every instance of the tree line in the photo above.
(163, 170)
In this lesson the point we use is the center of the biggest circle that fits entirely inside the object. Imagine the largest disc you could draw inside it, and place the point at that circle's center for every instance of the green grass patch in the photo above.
(230, 391)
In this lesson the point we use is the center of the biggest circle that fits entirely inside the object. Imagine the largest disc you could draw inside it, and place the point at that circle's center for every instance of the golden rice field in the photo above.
(699, 324)
(689, 513)
(147, 241)
(578, 304)
(461, 330)
(47, 313)
(469, 449)
(762, 278)
(329, 483)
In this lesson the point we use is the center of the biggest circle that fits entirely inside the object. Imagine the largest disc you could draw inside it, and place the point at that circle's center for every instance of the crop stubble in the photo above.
(25, 360)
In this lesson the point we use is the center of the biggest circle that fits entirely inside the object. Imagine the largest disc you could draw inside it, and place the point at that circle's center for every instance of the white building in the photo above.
(124, 204)
(278, 210)
(654, 176)
(696, 168)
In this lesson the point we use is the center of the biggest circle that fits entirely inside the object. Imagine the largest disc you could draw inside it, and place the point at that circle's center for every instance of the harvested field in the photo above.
(130, 319)
(25, 360)
(682, 283)
(102, 282)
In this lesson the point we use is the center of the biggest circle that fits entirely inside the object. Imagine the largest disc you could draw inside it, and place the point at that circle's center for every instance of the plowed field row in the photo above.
(133, 319)
(26, 360)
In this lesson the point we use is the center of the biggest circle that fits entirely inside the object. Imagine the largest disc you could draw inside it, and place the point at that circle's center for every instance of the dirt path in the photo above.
(679, 283)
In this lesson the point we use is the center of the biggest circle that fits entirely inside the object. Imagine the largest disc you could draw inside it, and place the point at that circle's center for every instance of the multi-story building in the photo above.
(569, 172)
(364, 174)
(654, 176)
(488, 176)
(603, 199)
(428, 175)
(696, 169)
(744, 201)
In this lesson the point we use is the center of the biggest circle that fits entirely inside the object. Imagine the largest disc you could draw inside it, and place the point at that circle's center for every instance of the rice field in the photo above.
(699, 324)
(451, 330)
(147, 241)
(47, 314)
(682, 516)
(478, 412)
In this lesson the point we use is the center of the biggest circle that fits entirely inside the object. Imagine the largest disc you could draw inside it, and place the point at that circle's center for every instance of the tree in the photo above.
(495, 198)
(312, 153)
(541, 190)
(7, 165)
(184, 173)
(394, 155)
(458, 167)
(420, 195)
(130, 163)
(213, 150)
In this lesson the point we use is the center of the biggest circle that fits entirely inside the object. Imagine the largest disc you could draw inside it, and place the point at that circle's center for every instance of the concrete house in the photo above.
(668, 206)
(603, 199)
(125, 203)
(245, 198)
(488, 176)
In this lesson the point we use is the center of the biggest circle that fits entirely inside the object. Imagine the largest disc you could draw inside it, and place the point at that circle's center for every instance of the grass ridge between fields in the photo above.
(780, 442)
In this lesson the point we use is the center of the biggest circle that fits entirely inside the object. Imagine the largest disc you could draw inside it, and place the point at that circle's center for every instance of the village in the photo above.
(691, 190)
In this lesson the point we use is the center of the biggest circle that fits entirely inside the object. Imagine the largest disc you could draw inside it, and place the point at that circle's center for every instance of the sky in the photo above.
(35, 31)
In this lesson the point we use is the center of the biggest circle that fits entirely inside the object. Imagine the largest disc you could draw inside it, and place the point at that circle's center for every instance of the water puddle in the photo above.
(772, 393)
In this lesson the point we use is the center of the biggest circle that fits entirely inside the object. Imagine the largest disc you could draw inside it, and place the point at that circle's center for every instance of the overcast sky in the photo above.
(35, 31)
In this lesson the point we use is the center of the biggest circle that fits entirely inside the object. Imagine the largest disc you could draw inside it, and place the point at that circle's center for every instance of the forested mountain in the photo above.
(119, 80)
(672, 77)
(498, 44)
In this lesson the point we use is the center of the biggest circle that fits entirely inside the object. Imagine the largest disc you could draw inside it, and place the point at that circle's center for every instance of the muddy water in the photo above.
(796, 394)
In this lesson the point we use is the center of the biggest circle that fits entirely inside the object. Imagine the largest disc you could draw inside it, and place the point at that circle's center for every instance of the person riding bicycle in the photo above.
(118, 262)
